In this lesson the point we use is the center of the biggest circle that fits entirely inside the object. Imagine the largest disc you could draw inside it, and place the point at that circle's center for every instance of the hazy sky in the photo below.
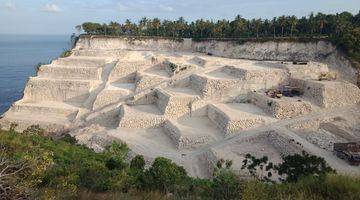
(60, 16)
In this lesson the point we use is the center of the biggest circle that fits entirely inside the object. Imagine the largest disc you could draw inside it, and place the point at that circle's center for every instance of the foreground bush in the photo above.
(330, 187)
(42, 168)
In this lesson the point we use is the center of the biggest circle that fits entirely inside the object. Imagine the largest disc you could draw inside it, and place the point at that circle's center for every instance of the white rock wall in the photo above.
(321, 51)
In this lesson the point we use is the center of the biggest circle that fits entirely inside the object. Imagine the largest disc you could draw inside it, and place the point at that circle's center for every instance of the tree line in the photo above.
(342, 28)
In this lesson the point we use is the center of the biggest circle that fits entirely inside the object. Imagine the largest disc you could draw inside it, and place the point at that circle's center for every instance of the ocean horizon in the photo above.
(19, 55)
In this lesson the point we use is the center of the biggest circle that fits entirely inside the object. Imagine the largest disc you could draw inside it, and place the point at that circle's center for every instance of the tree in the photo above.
(273, 25)
(226, 185)
(156, 24)
(257, 24)
(282, 23)
(293, 22)
(92, 28)
(238, 26)
(129, 27)
(321, 20)
(297, 166)
(138, 163)
(143, 25)
(292, 168)
(164, 175)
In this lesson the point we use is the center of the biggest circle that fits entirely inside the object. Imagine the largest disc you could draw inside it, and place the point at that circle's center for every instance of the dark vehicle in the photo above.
(349, 152)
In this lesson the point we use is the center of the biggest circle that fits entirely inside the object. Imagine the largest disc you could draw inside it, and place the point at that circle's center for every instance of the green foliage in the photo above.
(330, 187)
(226, 185)
(66, 53)
(293, 167)
(164, 175)
(343, 29)
(60, 169)
(37, 67)
(297, 166)
(34, 130)
(138, 163)
(259, 168)
(69, 139)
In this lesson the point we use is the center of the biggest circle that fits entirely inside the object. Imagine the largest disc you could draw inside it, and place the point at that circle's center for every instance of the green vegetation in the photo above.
(342, 29)
(37, 67)
(66, 53)
(38, 167)
(294, 167)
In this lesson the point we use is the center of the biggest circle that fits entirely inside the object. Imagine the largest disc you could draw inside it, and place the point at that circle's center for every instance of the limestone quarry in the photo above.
(197, 102)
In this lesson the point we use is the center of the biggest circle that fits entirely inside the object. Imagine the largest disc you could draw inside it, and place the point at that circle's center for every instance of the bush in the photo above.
(138, 163)
(66, 53)
(297, 166)
(57, 169)
(164, 175)
(226, 185)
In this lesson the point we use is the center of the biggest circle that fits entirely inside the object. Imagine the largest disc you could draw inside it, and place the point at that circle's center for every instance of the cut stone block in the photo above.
(124, 69)
(44, 89)
(113, 93)
(144, 81)
(329, 94)
(283, 108)
(234, 117)
(50, 123)
(310, 71)
(269, 76)
(66, 72)
(173, 68)
(80, 61)
(175, 101)
(212, 87)
(198, 61)
(59, 109)
(100, 53)
(191, 132)
(140, 116)
(157, 70)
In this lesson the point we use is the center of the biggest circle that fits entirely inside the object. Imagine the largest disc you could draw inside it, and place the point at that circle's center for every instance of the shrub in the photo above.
(34, 130)
(66, 53)
(138, 163)
(37, 67)
(292, 168)
(226, 185)
(164, 175)
(297, 166)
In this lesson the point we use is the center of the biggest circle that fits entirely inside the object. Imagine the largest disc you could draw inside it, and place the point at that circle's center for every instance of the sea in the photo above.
(19, 55)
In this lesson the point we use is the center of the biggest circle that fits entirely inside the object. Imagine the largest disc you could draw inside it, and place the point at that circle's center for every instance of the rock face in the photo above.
(195, 102)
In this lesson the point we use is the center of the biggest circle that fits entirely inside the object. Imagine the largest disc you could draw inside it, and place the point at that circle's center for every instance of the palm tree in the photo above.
(293, 21)
(282, 22)
(311, 23)
(143, 24)
(128, 27)
(321, 18)
(238, 26)
(156, 23)
(273, 25)
(257, 25)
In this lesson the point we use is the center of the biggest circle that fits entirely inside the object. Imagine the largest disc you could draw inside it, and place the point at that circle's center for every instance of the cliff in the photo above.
(197, 102)
(320, 51)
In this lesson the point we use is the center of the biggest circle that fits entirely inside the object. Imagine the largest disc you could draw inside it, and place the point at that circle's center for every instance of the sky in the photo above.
(59, 17)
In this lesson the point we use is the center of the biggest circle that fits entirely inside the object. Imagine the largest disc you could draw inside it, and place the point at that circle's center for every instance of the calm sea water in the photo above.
(19, 54)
